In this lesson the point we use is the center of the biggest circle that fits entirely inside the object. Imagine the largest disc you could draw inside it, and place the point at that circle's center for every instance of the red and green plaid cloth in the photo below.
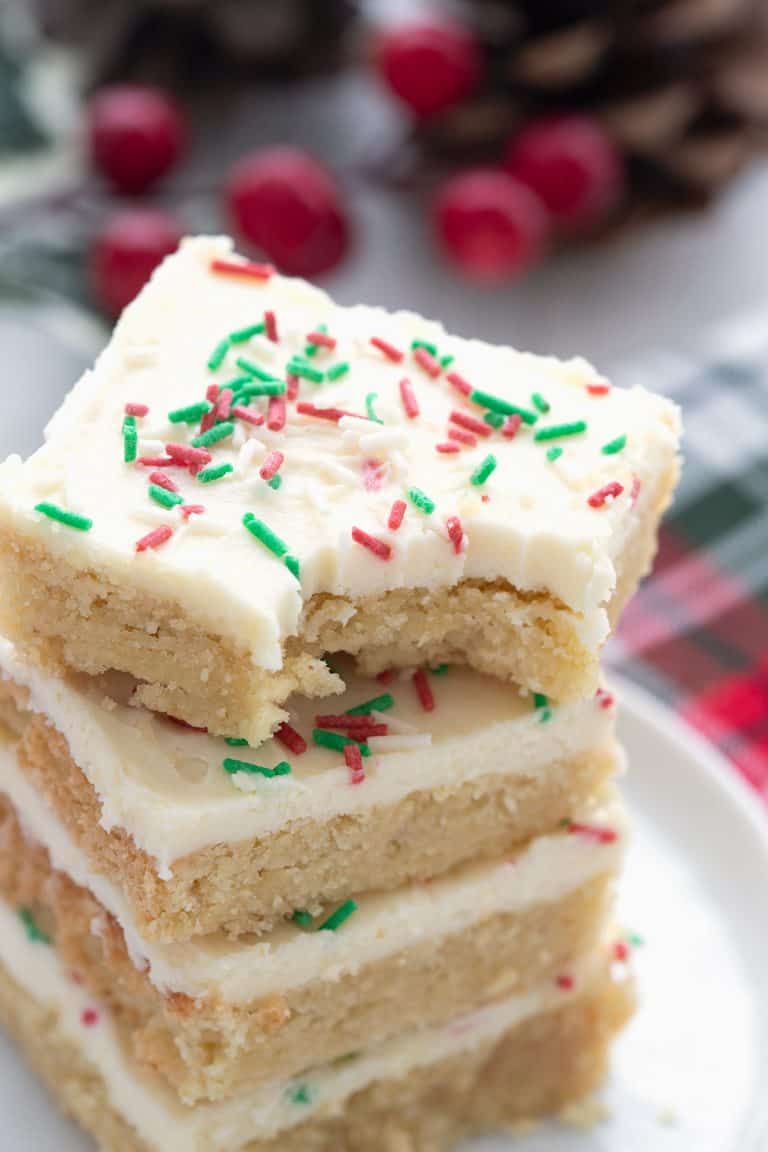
(696, 635)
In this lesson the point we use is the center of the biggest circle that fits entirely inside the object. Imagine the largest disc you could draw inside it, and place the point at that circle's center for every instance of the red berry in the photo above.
(125, 254)
(286, 204)
(572, 165)
(429, 66)
(135, 134)
(489, 224)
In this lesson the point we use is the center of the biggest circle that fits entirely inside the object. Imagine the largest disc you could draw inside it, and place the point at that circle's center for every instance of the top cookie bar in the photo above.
(252, 476)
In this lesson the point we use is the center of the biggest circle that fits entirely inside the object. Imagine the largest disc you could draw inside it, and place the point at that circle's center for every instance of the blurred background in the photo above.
(579, 177)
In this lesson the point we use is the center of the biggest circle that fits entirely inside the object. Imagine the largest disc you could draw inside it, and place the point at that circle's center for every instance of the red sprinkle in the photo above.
(423, 690)
(188, 510)
(356, 731)
(224, 406)
(565, 982)
(321, 340)
(276, 413)
(594, 832)
(89, 1017)
(388, 349)
(379, 548)
(154, 538)
(635, 490)
(244, 268)
(250, 415)
(334, 414)
(271, 465)
(427, 361)
(291, 387)
(346, 721)
(485, 498)
(163, 481)
(353, 758)
(447, 448)
(388, 675)
(608, 491)
(396, 513)
(511, 426)
(157, 462)
(208, 420)
(188, 456)
(604, 699)
(464, 420)
(408, 397)
(621, 951)
(291, 739)
(270, 324)
(373, 475)
(136, 409)
(462, 436)
(455, 533)
(598, 389)
(212, 393)
(459, 383)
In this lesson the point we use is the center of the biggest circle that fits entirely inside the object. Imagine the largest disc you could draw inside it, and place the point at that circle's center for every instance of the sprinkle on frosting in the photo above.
(299, 367)
(291, 739)
(231, 766)
(271, 541)
(408, 397)
(370, 411)
(354, 762)
(455, 533)
(471, 423)
(423, 690)
(188, 457)
(512, 425)
(378, 547)
(217, 357)
(163, 497)
(501, 406)
(598, 388)
(335, 371)
(459, 383)
(276, 413)
(388, 349)
(245, 268)
(213, 435)
(61, 516)
(555, 431)
(249, 415)
(598, 833)
(209, 474)
(302, 918)
(495, 419)
(241, 335)
(271, 465)
(154, 539)
(554, 453)
(448, 448)
(236, 741)
(377, 704)
(133, 409)
(483, 470)
(427, 361)
(130, 439)
(320, 339)
(607, 493)
(33, 930)
(463, 437)
(188, 510)
(421, 501)
(614, 446)
(337, 918)
(336, 741)
(191, 413)
(539, 403)
(566, 982)
(162, 481)
(270, 326)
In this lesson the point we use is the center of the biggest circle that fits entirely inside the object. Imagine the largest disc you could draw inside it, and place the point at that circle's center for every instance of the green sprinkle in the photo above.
(430, 347)
(376, 704)
(483, 470)
(495, 419)
(446, 361)
(232, 766)
(555, 431)
(236, 741)
(268, 388)
(164, 497)
(544, 715)
(302, 918)
(32, 928)
(191, 414)
(421, 501)
(216, 358)
(554, 453)
(243, 334)
(370, 411)
(337, 918)
(334, 740)
(635, 939)
(253, 369)
(337, 370)
(275, 482)
(265, 535)
(130, 439)
(539, 403)
(497, 404)
(213, 435)
(300, 368)
(71, 519)
(540, 700)
(292, 564)
(300, 1094)
(209, 474)
(439, 669)
(614, 446)
(313, 349)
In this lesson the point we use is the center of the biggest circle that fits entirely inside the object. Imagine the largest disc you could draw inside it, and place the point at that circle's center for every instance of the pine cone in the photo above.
(682, 85)
(194, 44)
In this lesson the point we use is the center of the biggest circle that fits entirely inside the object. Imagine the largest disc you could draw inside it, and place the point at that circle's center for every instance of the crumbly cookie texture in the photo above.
(252, 475)
(526, 1057)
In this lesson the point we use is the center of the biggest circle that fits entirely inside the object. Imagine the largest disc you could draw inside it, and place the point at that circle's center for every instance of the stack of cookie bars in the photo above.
(307, 767)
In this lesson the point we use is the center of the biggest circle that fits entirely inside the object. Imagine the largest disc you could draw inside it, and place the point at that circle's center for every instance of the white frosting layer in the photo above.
(166, 786)
(166, 1125)
(536, 529)
(245, 969)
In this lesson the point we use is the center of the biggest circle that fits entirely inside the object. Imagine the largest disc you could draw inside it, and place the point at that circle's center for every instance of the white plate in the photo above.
(691, 1073)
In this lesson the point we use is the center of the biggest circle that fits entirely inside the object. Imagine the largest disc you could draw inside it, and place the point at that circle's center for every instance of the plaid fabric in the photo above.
(696, 634)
